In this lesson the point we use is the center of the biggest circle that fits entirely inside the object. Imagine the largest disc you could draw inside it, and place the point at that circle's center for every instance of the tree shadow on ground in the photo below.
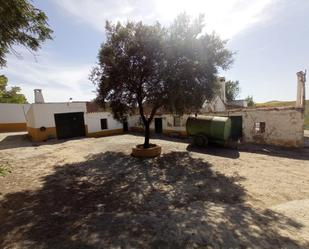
(214, 150)
(276, 151)
(15, 141)
(113, 200)
(23, 140)
(228, 152)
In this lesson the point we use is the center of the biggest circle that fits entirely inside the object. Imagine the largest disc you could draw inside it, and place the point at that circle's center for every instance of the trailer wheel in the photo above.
(200, 140)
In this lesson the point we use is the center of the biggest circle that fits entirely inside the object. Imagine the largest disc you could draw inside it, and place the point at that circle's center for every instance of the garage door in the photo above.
(70, 125)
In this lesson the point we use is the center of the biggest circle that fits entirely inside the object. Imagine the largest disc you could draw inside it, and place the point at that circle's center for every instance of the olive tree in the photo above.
(21, 24)
(148, 67)
(232, 90)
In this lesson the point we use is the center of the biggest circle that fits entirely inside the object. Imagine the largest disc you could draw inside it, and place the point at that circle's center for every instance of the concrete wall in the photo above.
(93, 122)
(12, 117)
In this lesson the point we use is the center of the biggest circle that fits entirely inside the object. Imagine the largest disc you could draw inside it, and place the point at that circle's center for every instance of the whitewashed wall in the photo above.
(43, 114)
(284, 126)
(216, 105)
(93, 121)
(167, 122)
(133, 121)
(13, 113)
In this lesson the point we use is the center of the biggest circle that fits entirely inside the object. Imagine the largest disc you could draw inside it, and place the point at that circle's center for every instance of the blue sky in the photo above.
(270, 38)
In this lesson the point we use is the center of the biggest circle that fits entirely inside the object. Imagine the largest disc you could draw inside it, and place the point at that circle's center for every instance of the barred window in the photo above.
(259, 127)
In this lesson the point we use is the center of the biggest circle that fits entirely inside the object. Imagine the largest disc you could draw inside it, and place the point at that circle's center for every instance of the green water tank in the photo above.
(206, 129)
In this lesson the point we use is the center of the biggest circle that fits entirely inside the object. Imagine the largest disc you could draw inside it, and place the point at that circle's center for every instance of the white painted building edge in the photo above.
(43, 114)
(93, 121)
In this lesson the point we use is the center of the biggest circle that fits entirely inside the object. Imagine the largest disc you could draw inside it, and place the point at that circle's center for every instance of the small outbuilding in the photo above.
(67, 120)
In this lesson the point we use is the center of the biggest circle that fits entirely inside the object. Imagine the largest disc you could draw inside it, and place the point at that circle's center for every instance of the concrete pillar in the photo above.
(301, 96)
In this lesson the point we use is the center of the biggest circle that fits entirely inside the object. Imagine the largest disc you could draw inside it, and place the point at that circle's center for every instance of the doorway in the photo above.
(70, 125)
(158, 125)
(125, 125)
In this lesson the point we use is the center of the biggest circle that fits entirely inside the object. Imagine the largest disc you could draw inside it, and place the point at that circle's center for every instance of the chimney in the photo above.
(301, 98)
(222, 88)
(38, 96)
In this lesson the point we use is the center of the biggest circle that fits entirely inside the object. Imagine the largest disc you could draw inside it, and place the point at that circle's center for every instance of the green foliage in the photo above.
(232, 90)
(250, 101)
(21, 24)
(10, 96)
(152, 67)
(4, 168)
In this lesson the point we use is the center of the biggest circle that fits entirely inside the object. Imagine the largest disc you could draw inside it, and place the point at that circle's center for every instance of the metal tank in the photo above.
(209, 129)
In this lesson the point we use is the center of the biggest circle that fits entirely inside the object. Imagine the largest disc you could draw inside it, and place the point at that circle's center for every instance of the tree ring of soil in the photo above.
(153, 151)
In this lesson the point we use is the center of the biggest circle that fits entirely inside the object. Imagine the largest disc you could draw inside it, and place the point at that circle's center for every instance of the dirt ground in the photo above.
(90, 193)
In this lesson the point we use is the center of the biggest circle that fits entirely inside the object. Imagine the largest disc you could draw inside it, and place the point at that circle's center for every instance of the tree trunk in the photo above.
(147, 135)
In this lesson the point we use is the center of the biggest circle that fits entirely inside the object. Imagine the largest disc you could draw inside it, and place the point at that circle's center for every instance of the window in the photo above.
(103, 123)
(177, 121)
(259, 127)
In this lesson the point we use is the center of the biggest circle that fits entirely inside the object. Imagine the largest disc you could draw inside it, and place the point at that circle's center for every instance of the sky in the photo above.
(270, 39)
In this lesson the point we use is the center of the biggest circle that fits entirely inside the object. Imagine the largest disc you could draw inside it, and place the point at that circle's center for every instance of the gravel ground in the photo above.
(90, 193)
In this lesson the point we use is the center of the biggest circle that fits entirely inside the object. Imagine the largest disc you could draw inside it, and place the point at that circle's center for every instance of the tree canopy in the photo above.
(232, 90)
(147, 67)
(10, 96)
(250, 101)
(21, 24)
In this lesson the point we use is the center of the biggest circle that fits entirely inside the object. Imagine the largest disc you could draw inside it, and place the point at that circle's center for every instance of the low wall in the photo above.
(13, 117)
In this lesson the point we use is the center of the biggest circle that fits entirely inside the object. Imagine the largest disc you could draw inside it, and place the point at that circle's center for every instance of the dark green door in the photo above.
(158, 125)
(125, 125)
(70, 125)
(236, 127)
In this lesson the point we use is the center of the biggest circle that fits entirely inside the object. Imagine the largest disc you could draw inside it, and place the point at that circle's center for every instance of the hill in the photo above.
(287, 103)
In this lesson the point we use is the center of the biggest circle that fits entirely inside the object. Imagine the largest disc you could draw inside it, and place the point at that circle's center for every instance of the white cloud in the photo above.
(59, 81)
(226, 17)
